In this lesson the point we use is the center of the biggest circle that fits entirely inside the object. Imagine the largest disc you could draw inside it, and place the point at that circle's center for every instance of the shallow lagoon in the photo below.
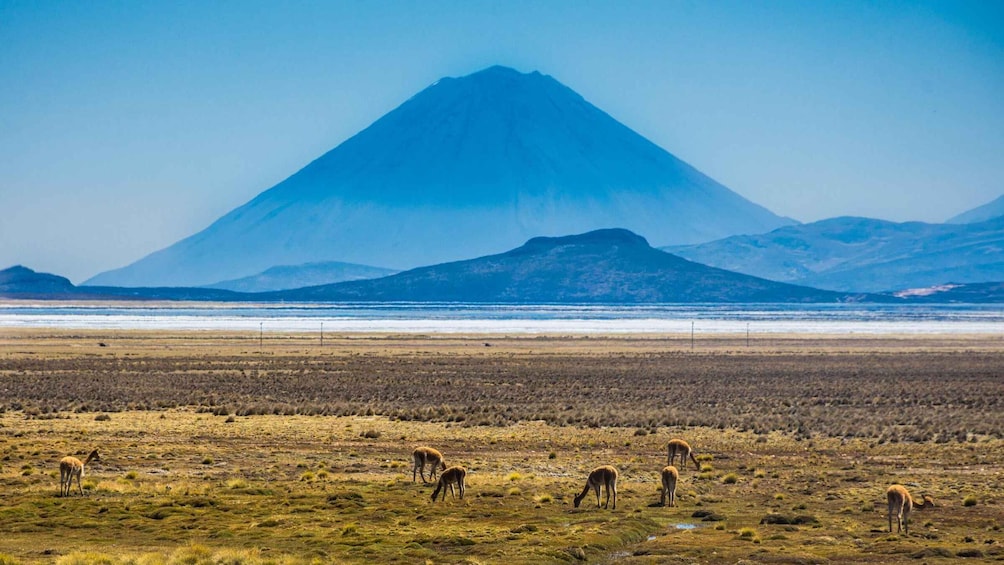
(512, 319)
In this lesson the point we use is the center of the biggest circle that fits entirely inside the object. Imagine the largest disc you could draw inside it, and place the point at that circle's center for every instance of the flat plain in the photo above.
(220, 448)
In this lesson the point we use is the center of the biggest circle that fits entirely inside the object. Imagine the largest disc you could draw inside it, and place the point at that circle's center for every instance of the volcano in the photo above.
(468, 167)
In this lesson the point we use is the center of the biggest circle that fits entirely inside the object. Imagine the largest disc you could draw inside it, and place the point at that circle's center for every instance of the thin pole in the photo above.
(747, 334)
(691, 335)
(322, 334)
(261, 330)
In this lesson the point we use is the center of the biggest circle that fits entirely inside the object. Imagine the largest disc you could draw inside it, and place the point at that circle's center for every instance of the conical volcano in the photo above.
(467, 167)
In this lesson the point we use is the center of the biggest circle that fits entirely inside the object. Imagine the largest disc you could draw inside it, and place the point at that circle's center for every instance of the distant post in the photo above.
(747, 334)
(322, 334)
(261, 332)
(691, 335)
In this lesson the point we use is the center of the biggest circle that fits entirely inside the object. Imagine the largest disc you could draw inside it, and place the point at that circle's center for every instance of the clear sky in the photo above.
(125, 126)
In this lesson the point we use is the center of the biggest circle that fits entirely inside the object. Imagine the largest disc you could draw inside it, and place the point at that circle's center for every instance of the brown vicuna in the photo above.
(424, 456)
(678, 446)
(669, 478)
(452, 476)
(70, 468)
(900, 504)
(600, 477)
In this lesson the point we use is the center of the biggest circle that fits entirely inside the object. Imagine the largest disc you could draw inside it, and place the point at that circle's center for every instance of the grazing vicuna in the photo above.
(452, 476)
(669, 478)
(678, 446)
(900, 504)
(424, 456)
(600, 477)
(69, 468)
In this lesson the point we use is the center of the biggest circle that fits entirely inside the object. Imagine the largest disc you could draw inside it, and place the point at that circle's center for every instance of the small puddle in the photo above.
(685, 526)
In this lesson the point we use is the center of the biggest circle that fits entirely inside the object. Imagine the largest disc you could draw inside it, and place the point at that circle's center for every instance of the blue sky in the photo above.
(125, 126)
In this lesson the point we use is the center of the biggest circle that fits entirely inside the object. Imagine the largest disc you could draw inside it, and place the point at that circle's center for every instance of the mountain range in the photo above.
(467, 167)
(863, 254)
(298, 276)
(603, 266)
(988, 211)
(608, 266)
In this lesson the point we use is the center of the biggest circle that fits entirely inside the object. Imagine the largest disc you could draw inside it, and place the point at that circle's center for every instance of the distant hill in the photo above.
(861, 254)
(611, 266)
(467, 167)
(22, 282)
(988, 211)
(286, 277)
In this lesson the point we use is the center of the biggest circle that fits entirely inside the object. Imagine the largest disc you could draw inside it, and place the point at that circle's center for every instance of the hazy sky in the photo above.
(125, 126)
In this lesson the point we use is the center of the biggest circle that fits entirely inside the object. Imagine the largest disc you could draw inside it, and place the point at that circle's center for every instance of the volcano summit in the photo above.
(467, 167)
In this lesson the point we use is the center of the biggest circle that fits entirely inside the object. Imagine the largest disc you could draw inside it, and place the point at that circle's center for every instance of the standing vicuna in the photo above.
(678, 446)
(669, 478)
(900, 504)
(69, 468)
(452, 476)
(426, 456)
(600, 477)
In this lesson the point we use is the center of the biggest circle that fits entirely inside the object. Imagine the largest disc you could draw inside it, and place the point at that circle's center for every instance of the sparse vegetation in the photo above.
(814, 393)
(316, 466)
(237, 484)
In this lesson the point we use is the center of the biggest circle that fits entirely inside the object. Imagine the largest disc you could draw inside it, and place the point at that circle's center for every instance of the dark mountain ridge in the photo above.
(603, 266)
(20, 282)
(23, 282)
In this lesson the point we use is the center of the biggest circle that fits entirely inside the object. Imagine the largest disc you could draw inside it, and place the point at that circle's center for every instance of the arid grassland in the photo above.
(216, 448)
